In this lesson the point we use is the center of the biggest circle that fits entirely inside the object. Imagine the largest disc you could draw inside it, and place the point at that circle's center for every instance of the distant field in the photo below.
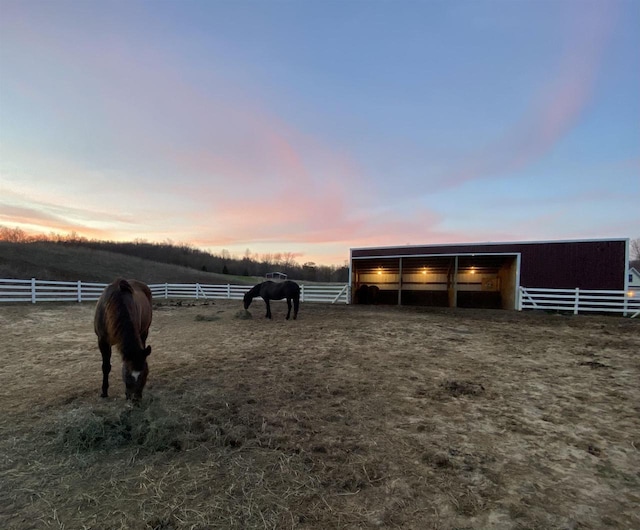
(47, 261)
(350, 417)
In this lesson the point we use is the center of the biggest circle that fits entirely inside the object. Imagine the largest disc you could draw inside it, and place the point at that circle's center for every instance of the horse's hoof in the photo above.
(104, 395)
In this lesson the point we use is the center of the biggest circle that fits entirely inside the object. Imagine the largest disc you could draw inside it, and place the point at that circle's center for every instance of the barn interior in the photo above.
(475, 281)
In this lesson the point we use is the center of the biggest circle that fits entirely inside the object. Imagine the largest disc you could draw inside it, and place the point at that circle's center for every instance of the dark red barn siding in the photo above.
(584, 264)
(587, 264)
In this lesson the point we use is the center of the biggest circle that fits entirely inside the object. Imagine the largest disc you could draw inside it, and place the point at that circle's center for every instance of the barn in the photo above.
(484, 275)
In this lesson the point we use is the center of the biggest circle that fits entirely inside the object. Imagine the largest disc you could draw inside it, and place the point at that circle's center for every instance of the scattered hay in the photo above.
(341, 423)
(462, 388)
(207, 318)
(594, 365)
(243, 314)
(148, 427)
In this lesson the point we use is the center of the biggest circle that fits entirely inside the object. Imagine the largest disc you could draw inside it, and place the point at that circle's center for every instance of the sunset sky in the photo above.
(315, 126)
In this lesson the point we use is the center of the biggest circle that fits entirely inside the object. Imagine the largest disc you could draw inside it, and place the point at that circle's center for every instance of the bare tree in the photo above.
(635, 249)
(635, 253)
(13, 235)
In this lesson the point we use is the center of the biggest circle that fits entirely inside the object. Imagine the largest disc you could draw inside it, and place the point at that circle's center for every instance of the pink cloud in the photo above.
(558, 105)
(38, 220)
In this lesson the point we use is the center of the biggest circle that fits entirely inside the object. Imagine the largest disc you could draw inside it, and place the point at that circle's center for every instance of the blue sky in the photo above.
(313, 127)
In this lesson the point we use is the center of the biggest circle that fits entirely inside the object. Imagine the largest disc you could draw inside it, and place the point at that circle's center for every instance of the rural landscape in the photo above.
(446, 195)
(349, 417)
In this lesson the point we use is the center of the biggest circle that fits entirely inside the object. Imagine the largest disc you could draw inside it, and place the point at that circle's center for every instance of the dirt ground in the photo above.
(349, 417)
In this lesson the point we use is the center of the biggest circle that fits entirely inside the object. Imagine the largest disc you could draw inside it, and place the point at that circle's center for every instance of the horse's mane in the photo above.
(255, 290)
(119, 318)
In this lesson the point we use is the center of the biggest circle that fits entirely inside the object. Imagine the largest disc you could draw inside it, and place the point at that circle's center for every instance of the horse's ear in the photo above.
(147, 351)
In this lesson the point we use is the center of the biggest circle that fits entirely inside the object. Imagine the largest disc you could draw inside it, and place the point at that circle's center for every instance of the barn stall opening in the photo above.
(486, 275)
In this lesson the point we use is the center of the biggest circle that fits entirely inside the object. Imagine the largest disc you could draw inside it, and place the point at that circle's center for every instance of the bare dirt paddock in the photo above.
(349, 417)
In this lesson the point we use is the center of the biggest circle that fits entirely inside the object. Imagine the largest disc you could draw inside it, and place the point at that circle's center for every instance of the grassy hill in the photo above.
(49, 261)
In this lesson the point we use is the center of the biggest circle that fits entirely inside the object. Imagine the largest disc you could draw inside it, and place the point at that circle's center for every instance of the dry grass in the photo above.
(350, 417)
(25, 260)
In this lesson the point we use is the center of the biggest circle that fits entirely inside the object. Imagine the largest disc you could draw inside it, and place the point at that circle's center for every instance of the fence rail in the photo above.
(578, 301)
(571, 300)
(34, 291)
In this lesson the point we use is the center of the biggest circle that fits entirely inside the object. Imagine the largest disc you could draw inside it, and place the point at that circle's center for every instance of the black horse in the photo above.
(275, 291)
(367, 294)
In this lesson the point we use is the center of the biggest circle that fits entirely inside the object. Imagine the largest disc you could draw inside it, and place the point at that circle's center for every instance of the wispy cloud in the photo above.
(42, 221)
(135, 135)
(558, 104)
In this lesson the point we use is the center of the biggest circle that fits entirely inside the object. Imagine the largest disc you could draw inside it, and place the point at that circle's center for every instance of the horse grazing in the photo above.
(362, 294)
(367, 294)
(275, 291)
(123, 317)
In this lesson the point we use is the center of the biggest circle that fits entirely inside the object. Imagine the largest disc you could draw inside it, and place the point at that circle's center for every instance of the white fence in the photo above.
(571, 300)
(54, 291)
(580, 301)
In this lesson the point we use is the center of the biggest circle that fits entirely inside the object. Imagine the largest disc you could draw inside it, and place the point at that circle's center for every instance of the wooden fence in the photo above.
(56, 291)
(577, 301)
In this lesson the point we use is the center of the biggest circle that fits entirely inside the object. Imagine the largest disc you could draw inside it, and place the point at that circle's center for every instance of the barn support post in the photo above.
(518, 286)
(350, 277)
(400, 281)
(33, 290)
(452, 283)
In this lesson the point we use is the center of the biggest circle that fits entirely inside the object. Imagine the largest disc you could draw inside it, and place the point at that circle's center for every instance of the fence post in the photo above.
(79, 291)
(166, 291)
(345, 288)
(302, 293)
(576, 304)
(228, 291)
(33, 290)
(197, 289)
(625, 304)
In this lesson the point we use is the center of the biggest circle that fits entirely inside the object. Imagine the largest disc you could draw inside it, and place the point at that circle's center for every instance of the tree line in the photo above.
(249, 264)
(185, 255)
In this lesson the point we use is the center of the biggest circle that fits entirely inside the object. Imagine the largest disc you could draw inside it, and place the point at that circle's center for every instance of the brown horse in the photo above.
(123, 317)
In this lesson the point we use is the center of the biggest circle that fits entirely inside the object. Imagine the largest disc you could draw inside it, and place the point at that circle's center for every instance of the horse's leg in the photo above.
(296, 305)
(143, 337)
(105, 350)
(289, 306)
(268, 315)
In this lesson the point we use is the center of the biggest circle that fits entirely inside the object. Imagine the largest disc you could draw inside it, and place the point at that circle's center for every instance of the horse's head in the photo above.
(134, 374)
(247, 299)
